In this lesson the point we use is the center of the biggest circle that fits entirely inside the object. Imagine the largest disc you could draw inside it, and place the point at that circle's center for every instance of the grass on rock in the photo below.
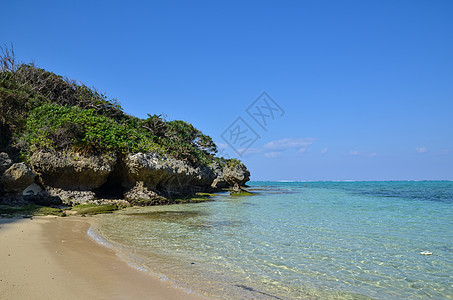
(242, 193)
(197, 198)
(29, 210)
(93, 209)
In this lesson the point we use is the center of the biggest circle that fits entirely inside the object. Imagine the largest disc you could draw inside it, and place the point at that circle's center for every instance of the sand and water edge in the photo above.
(54, 258)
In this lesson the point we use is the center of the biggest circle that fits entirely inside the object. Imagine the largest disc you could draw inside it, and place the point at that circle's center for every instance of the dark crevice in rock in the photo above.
(5, 137)
(114, 187)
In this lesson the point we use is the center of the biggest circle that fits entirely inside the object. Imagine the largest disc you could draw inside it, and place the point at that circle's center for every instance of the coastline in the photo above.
(54, 258)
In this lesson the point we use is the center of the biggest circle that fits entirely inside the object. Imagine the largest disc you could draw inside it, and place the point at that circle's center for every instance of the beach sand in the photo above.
(54, 258)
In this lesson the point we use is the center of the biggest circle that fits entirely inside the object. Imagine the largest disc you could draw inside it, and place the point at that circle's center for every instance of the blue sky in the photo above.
(365, 87)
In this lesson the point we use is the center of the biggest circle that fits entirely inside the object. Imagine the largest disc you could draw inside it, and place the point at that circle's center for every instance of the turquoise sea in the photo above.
(297, 240)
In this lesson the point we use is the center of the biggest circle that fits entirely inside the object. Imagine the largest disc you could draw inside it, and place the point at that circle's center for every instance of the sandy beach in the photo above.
(54, 258)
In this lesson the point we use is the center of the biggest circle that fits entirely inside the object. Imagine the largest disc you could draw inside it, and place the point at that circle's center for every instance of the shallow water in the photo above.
(301, 240)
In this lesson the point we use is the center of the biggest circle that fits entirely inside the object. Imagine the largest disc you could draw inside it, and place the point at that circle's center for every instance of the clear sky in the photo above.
(362, 90)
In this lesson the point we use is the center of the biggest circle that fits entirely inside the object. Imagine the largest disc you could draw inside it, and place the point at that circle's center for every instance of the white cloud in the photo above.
(272, 154)
(289, 143)
(354, 152)
(373, 154)
(421, 150)
(221, 146)
(324, 151)
(250, 151)
(222, 150)
(302, 150)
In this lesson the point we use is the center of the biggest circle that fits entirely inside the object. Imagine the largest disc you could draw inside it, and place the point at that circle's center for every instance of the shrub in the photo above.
(52, 126)
(43, 110)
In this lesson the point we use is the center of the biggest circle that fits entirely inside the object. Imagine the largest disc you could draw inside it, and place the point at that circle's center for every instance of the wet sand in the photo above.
(54, 258)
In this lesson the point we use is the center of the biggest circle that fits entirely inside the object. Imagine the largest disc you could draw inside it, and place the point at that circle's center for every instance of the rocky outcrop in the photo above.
(141, 195)
(32, 190)
(159, 173)
(5, 162)
(70, 171)
(236, 175)
(167, 176)
(140, 178)
(34, 193)
(16, 178)
(68, 196)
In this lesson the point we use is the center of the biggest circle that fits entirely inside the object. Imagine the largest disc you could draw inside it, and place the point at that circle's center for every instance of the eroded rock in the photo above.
(32, 190)
(69, 197)
(5, 162)
(236, 175)
(71, 172)
(16, 178)
(140, 179)
(160, 173)
(141, 195)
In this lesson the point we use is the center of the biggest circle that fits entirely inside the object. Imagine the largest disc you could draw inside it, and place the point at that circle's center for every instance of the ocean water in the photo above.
(297, 240)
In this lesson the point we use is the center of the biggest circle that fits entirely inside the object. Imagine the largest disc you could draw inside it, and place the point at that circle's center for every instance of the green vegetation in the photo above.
(150, 202)
(242, 193)
(52, 126)
(206, 194)
(233, 162)
(197, 198)
(38, 210)
(94, 209)
(29, 210)
(42, 110)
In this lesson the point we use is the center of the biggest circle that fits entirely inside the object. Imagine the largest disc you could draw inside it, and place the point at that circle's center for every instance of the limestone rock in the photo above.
(206, 175)
(16, 178)
(160, 173)
(5, 162)
(236, 175)
(219, 180)
(32, 190)
(141, 195)
(34, 193)
(216, 182)
(70, 171)
(69, 197)
(140, 178)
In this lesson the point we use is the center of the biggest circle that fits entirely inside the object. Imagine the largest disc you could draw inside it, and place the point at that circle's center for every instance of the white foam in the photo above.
(98, 238)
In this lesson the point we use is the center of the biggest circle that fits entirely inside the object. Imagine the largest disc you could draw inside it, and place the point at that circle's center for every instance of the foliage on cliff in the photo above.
(42, 110)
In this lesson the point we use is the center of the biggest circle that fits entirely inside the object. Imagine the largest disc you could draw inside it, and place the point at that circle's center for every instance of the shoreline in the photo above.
(54, 258)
